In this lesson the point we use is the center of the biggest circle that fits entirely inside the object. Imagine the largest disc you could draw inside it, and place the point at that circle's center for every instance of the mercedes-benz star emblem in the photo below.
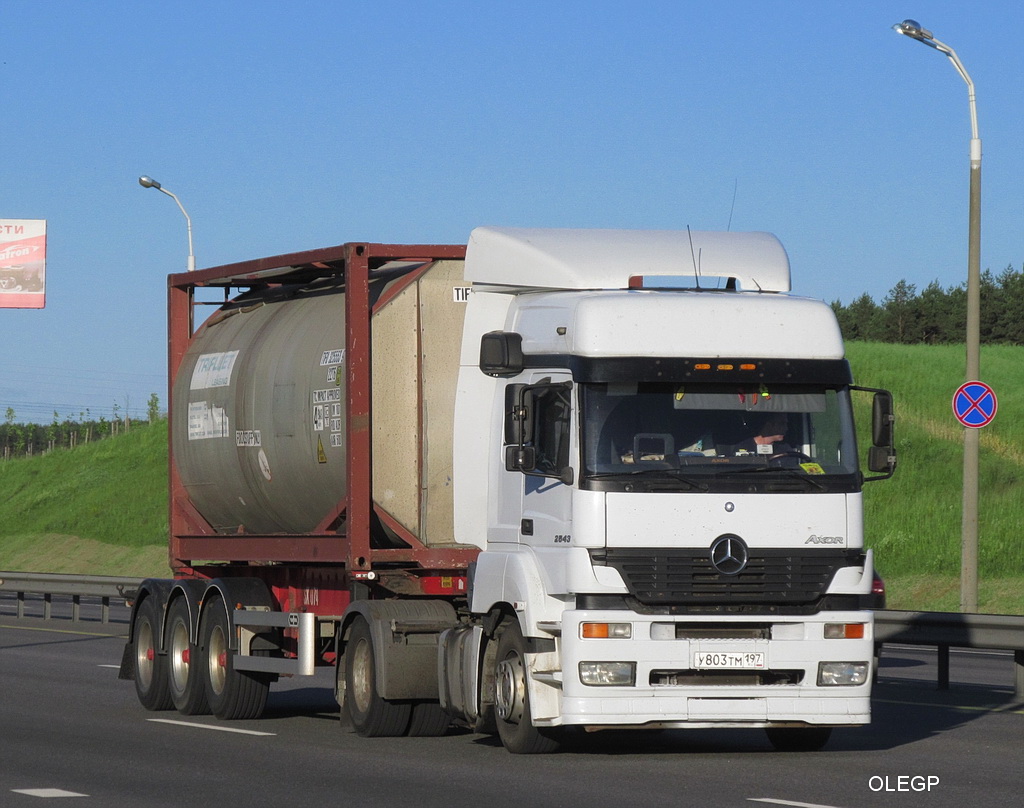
(729, 554)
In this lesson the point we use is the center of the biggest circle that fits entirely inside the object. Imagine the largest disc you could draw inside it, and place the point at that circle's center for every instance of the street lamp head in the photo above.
(149, 182)
(913, 29)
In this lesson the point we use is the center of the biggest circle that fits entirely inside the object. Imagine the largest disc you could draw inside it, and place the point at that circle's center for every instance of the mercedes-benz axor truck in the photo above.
(548, 482)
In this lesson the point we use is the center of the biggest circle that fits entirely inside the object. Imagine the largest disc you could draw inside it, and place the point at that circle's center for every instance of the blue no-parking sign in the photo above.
(975, 404)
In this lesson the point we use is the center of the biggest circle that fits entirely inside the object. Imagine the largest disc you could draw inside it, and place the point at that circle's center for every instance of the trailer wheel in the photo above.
(512, 698)
(185, 664)
(798, 739)
(428, 720)
(371, 716)
(150, 667)
(232, 694)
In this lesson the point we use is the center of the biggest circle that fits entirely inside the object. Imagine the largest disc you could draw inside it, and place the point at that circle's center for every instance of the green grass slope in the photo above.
(100, 508)
(913, 521)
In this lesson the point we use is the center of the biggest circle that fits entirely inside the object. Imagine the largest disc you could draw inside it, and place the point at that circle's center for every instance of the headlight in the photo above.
(842, 674)
(600, 674)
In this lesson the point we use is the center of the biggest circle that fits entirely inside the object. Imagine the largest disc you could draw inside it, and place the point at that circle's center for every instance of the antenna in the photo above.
(732, 207)
(696, 266)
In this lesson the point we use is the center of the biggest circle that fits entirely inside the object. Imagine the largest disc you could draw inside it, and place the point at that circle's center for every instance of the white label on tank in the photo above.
(319, 418)
(213, 370)
(460, 294)
(248, 437)
(206, 421)
(326, 396)
(337, 441)
(335, 357)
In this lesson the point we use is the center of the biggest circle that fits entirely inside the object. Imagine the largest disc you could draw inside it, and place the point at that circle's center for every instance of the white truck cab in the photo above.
(654, 449)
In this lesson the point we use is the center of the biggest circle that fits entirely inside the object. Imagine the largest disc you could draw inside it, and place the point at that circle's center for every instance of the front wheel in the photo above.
(512, 698)
(798, 739)
(231, 694)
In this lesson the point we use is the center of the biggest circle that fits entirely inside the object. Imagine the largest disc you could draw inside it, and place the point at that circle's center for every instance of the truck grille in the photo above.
(686, 576)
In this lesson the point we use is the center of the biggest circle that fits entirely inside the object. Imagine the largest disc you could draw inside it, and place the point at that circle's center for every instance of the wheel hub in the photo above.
(510, 688)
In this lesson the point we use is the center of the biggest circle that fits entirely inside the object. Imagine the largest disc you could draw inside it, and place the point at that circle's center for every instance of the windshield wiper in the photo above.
(676, 474)
(802, 476)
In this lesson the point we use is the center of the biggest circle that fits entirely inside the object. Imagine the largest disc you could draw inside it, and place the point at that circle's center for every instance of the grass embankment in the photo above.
(102, 508)
(99, 509)
(913, 521)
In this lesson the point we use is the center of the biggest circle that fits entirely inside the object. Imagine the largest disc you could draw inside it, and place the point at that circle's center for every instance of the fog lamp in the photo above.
(604, 674)
(842, 674)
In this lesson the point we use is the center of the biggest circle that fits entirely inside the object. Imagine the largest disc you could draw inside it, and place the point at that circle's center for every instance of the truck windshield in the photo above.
(705, 436)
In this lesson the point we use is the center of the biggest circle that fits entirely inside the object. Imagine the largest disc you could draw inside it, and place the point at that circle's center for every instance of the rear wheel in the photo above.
(512, 698)
(798, 739)
(231, 694)
(185, 663)
(428, 719)
(371, 715)
(150, 668)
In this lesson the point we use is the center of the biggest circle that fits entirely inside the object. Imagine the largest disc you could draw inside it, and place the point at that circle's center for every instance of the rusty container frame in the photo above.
(191, 536)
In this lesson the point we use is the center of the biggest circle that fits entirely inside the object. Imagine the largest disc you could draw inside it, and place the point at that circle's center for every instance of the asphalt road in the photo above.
(68, 726)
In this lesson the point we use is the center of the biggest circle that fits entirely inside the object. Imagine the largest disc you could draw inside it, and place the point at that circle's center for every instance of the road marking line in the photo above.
(994, 708)
(115, 667)
(66, 631)
(208, 726)
(789, 802)
(47, 792)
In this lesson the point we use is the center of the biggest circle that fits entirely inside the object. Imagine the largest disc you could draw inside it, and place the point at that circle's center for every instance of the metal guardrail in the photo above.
(944, 630)
(103, 587)
(947, 630)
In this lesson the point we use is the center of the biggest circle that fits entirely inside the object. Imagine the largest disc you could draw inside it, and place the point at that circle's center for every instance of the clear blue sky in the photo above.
(290, 126)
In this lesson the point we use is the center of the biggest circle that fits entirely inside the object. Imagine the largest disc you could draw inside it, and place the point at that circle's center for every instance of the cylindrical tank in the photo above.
(259, 404)
(259, 412)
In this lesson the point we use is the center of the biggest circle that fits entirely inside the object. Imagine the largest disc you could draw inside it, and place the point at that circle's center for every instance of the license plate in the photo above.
(717, 660)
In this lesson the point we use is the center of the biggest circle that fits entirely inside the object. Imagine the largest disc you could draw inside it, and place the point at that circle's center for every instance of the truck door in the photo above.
(541, 448)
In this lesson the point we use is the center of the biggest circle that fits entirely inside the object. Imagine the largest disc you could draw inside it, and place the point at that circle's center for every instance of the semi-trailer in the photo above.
(547, 481)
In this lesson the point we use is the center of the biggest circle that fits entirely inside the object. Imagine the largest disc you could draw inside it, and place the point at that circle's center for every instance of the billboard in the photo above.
(22, 263)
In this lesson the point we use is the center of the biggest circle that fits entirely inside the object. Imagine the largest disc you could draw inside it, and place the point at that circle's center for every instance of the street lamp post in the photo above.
(149, 182)
(972, 437)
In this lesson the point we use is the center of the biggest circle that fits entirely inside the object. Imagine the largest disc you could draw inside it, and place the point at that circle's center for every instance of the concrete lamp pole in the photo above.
(972, 437)
(149, 182)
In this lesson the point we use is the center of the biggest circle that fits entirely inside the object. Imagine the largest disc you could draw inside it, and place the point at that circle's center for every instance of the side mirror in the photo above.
(518, 414)
(881, 459)
(520, 458)
(882, 455)
(882, 419)
(501, 353)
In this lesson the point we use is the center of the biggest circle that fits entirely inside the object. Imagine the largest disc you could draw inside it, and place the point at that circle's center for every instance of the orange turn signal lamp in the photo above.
(604, 631)
(844, 631)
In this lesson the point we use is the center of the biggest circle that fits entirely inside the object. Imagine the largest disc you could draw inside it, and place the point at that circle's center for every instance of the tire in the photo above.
(184, 663)
(232, 695)
(371, 716)
(428, 720)
(512, 698)
(798, 739)
(150, 667)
